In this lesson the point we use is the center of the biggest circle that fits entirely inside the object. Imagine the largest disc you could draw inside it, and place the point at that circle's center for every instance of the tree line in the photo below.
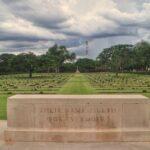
(118, 58)
(121, 58)
(53, 61)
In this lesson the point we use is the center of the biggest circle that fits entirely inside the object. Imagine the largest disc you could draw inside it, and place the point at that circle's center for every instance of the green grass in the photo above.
(20, 84)
(124, 83)
(3, 106)
(78, 84)
(90, 83)
(146, 94)
(40, 83)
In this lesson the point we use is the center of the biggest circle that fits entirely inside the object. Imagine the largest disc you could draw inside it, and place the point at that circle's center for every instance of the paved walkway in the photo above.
(69, 146)
(78, 84)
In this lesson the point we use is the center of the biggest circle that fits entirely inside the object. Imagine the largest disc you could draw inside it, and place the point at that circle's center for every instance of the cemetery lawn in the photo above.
(40, 83)
(78, 84)
(123, 83)
(3, 106)
(67, 83)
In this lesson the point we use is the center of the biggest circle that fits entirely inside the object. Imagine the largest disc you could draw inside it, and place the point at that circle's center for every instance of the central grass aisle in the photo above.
(78, 84)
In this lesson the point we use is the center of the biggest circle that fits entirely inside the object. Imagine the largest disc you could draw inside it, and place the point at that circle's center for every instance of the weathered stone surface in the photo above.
(68, 146)
(69, 118)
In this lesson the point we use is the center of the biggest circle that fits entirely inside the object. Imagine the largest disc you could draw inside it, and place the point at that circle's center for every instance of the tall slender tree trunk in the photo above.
(58, 70)
(48, 70)
(30, 75)
(30, 72)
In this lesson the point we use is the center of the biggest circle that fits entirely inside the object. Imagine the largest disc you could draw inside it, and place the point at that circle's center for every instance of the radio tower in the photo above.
(87, 48)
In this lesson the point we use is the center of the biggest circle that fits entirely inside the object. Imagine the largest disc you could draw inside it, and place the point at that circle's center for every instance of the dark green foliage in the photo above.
(52, 61)
(68, 67)
(56, 57)
(86, 65)
(5, 63)
(118, 58)
(141, 56)
(121, 58)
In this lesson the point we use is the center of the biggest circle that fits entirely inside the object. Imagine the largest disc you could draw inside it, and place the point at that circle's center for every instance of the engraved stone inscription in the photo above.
(74, 116)
(78, 118)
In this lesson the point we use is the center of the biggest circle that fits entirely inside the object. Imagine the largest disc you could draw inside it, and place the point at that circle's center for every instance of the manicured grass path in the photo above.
(78, 84)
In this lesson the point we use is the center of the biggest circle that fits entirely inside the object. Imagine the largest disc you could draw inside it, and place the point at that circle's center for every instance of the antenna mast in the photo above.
(87, 48)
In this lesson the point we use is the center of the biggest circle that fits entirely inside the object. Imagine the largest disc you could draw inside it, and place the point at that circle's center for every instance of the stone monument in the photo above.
(77, 70)
(70, 118)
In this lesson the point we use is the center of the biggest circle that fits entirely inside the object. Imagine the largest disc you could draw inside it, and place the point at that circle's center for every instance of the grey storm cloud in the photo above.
(9, 36)
(38, 24)
(47, 17)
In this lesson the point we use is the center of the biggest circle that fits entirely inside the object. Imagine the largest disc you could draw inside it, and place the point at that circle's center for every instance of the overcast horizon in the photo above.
(36, 25)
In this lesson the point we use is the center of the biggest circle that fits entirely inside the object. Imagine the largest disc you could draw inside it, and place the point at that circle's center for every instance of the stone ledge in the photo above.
(78, 136)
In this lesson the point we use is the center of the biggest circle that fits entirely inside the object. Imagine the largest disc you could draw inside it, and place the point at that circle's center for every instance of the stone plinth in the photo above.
(69, 118)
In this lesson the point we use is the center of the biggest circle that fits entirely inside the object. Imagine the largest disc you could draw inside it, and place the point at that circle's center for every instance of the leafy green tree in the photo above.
(142, 56)
(57, 55)
(31, 61)
(115, 58)
(120, 57)
(68, 67)
(5, 63)
(24, 62)
(86, 65)
(45, 63)
(104, 59)
(72, 57)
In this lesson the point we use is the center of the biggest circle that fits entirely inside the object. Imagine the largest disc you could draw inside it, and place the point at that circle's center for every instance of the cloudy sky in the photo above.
(35, 25)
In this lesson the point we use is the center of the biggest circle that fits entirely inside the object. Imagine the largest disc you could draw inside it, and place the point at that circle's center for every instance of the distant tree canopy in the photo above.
(125, 58)
(52, 61)
(56, 57)
(117, 58)
(86, 65)
(141, 56)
